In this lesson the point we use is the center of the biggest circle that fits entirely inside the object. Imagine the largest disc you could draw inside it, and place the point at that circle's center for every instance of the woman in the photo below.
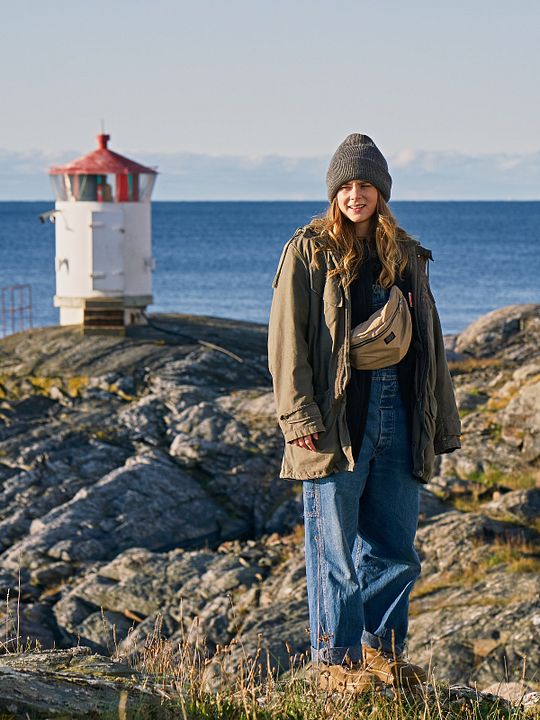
(360, 440)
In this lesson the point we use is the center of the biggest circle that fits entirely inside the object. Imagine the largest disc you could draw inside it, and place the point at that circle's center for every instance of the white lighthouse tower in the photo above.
(104, 257)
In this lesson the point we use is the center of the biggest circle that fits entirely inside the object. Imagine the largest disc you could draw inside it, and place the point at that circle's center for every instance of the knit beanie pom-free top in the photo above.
(358, 158)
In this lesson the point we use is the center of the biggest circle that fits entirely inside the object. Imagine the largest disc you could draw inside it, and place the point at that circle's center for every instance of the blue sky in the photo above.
(248, 99)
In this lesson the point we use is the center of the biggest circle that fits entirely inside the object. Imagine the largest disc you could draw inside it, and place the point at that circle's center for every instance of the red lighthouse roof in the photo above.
(101, 162)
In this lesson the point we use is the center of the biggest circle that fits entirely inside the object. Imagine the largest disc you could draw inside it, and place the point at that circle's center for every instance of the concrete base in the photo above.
(75, 310)
(71, 316)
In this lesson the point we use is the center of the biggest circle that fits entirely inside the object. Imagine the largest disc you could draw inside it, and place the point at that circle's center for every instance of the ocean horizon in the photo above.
(219, 257)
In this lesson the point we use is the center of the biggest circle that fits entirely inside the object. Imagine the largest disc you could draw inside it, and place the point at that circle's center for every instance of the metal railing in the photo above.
(16, 309)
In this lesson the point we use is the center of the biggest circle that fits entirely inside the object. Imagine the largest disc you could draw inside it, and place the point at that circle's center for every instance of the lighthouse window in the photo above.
(146, 186)
(87, 187)
(74, 187)
(131, 187)
(60, 186)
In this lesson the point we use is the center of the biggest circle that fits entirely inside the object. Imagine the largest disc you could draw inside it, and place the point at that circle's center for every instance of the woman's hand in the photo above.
(306, 442)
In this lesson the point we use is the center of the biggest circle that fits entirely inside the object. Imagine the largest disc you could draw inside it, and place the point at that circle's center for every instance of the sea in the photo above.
(219, 258)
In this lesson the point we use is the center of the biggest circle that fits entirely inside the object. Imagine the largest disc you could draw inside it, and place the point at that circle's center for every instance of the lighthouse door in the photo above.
(108, 251)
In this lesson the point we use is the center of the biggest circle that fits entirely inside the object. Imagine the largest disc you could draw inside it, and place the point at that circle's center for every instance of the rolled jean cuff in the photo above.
(336, 655)
(380, 643)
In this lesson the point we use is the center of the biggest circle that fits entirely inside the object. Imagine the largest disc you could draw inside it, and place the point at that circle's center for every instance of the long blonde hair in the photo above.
(337, 234)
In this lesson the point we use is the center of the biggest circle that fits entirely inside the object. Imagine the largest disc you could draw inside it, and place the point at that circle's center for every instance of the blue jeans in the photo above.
(361, 564)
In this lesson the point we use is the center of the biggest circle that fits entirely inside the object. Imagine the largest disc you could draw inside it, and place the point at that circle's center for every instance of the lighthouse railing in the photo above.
(16, 308)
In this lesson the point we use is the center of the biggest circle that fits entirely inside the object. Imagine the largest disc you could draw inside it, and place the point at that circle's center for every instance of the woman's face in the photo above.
(357, 200)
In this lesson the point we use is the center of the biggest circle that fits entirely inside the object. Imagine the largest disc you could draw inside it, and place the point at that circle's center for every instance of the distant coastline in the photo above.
(418, 175)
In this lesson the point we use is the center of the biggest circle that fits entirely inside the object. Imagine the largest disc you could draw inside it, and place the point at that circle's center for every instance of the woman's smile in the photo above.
(357, 200)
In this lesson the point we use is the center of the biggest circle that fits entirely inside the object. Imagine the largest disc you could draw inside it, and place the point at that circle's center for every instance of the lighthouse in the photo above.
(104, 259)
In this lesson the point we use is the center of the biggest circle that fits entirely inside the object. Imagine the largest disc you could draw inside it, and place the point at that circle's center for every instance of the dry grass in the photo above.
(460, 367)
(496, 403)
(470, 503)
(231, 685)
(482, 483)
(515, 556)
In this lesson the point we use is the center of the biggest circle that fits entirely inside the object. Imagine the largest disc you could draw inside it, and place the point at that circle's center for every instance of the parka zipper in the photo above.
(341, 422)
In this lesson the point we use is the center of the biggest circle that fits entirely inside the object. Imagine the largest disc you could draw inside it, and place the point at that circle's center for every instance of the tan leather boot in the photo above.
(337, 678)
(393, 669)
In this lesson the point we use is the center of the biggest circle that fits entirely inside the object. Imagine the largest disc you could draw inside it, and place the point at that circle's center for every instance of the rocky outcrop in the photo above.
(511, 332)
(72, 683)
(476, 611)
(138, 479)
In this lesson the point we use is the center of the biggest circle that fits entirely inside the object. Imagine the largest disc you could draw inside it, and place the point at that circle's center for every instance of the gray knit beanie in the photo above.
(358, 158)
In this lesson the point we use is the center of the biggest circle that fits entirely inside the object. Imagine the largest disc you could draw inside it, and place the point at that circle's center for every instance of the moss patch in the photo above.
(514, 479)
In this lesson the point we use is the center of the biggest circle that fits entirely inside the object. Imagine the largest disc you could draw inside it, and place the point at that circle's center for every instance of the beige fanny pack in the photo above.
(384, 338)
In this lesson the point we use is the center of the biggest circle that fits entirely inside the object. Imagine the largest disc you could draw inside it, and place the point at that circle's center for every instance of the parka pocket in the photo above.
(328, 288)
(298, 462)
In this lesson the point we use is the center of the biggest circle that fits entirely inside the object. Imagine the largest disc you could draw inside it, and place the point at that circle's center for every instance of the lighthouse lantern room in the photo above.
(104, 257)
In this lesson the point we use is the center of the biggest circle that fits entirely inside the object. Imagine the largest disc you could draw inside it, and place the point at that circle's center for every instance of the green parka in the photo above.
(308, 351)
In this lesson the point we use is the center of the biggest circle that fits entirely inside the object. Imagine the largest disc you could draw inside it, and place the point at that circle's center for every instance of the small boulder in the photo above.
(521, 422)
(513, 330)
(524, 505)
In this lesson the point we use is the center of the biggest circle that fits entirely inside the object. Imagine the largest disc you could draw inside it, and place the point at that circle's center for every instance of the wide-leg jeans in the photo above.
(361, 564)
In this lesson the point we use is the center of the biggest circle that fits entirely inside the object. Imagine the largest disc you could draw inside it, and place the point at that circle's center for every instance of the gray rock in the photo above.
(431, 505)
(523, 505)
(521, 422)
(513, 331)
(71, 611)
(103, 631)
(71, 683)
(482, 632)
(30, 494)
(149, 502)
(51, 574)
(515, 692)
(469, 398)
(29, 625)
(455, 540)
(144, 419)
